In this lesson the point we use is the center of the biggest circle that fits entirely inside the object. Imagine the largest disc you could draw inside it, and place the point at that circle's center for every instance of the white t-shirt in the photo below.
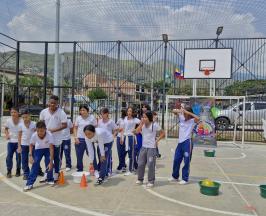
(66, 132)
(130, 125)
(102, 136)
(185, 128)
(81, 123)
(121, 125)
(53, 121)
(13, 130)
(26, 132)
(42, 143)
(149, 135)
(110, 125)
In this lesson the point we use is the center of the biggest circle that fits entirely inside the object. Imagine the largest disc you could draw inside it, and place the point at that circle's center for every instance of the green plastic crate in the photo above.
(210, 191)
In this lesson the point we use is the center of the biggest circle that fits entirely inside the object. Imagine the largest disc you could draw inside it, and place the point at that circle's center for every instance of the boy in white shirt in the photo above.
(66, 145)
(44, 147)
(26, 129)
(55, 120)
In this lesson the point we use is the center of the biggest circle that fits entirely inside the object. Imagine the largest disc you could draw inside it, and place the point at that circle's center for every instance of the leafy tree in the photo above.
(96, 94)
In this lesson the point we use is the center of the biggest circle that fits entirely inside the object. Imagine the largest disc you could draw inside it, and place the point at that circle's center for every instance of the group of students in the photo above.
(136, 137)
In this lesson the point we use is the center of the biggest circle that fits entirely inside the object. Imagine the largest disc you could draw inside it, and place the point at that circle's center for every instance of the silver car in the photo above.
(255, 112)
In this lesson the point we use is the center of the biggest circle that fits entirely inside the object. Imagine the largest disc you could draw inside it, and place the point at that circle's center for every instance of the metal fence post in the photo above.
(164, 80)
(117, 81)
(73, 81)
(17, 74)
(45, 74)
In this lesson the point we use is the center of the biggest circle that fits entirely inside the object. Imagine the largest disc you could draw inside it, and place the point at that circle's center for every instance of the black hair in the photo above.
(123, 113)
(85, 106)
(149, 115)
(41, 124)
(104, 110)
(189, 109)
(24, 112)
(54, 97)
(147, 106)
(89, 128)
(15, 108)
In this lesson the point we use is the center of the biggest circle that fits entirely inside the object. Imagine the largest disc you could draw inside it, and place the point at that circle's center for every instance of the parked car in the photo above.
(33, 109)
(255, 111)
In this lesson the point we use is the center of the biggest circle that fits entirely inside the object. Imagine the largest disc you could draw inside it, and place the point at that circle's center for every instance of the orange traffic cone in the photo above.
(83, 182)
(61, 180)
(91, 170)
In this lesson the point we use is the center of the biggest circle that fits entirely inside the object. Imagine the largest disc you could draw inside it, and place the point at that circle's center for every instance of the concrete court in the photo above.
(240, 170)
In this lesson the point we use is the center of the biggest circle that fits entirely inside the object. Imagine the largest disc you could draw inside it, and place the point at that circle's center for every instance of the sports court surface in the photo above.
(239, 170)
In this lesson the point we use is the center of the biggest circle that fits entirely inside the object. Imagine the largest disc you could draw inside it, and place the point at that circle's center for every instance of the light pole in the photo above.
(56, 57)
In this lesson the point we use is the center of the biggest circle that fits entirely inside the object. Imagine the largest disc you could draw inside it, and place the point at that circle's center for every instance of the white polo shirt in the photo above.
(102, 136)
(121, 125)
(130, 125)
(13, 130)
(81, 123)
(27, 132)
(149, 135)
(42, 143)
(66, 132)
(109, 125)
(185, 128)
(53, 121)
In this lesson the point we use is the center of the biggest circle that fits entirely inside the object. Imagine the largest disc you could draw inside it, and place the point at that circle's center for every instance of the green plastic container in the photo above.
(209, 153)
(263, 191)
(210, 191)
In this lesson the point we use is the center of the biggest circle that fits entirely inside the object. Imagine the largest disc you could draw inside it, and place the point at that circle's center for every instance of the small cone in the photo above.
(83, 182)
(91, 170)
(61, 180)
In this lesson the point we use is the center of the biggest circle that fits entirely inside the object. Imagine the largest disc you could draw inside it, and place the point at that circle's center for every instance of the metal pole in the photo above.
(2, 103)
(213, 81)
(152, 92)
(243, 122)
(73, 80)
(17, 75)
(56, 59)
(194, 87)
(117, 80)
(164, 76)
(45, 74)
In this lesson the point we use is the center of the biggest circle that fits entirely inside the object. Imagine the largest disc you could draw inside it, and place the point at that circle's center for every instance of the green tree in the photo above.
(96, 94)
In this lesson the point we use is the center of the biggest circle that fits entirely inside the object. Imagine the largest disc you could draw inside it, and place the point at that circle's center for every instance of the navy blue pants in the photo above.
(132, 150)
(183, 151)
(80, 149)
(25, 159)
(104, 164)
(57, 160)
(66, 148)
(121, 151)
(11, 149)
(38, 154)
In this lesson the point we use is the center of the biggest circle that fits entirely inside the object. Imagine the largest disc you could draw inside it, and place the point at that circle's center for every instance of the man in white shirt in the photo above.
(56, 121)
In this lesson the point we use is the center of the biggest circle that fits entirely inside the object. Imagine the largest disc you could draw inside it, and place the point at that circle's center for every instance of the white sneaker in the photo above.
(128, 174)
(172, 179)
(27, 188)
(182, 182)
(44, 178)
(149, 185)
(96, 174)
(138, 182)
(50, 183)
(56, 176)
(68, 169)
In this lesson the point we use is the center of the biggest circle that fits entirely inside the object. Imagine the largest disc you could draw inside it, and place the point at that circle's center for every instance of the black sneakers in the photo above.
(9, 175)
(18, 173)
(99, 181)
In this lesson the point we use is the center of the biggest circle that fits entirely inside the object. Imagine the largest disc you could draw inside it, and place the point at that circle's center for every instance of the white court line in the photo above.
(223, 182)
(233, 185)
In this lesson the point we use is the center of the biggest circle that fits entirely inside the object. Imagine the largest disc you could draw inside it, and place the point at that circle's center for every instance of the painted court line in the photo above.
(233, 185)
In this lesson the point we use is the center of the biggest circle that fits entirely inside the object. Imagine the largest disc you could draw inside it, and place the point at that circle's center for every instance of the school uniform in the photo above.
(12, 145)
(148, 152)
(42, 149)
(121, 148)
(130, 125)
(26, 132)
(53, 121)
(66, 144)
(82, 147)
(110, 126)
(104, 139)
(184, 148)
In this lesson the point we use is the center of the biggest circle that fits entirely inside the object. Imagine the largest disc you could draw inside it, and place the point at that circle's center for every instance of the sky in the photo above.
(132, 19)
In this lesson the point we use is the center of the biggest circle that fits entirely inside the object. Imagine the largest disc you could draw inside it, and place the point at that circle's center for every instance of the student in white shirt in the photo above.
(148, 150)
(56, 121)
(130, 123)
(104, 139)
(43, 141)
(109, 125)
(11, 135)
(120, 143)
(26, 129)
(83, 120)
(66, 145)
(184, 148)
